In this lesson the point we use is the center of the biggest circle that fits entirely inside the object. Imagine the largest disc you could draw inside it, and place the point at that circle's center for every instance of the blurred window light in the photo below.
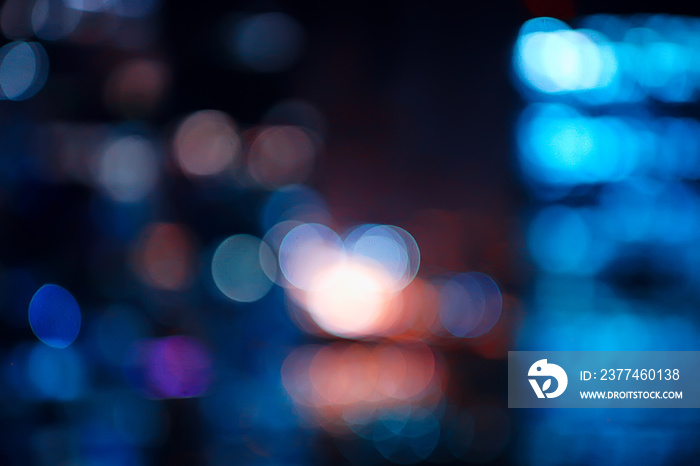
(552, 58)
(267, 42)
(609, 60)
(560, 146)
(24, 68)
(128, 168)
(206, 143)
(238, 268)
(54, 316)
(560, 61)
(281, 155)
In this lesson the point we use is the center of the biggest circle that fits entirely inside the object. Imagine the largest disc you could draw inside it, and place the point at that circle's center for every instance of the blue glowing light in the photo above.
(551, 58)
(54, 316)
(649, 211)
(57, 374)
(561, 146)
(23, 70)
(608, 60)
(560, 240)
(391, 247)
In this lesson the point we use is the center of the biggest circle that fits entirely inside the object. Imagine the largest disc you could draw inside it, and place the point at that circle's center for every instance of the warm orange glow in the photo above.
(348, 380)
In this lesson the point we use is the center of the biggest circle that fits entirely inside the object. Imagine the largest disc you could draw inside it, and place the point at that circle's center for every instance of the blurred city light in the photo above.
(54, 316)
(609, 60)
(206, 143)
(289, 238)
(24, 68)
(128, 168)
(239, 265)
(610, 157)
(280, 156)
(306, 251)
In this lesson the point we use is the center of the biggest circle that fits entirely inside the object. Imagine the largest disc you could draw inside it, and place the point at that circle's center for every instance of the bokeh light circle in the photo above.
(280, 156)
(351, 298)
(128, 168)
(393, 248)
(164, 256)
(206, 143)
(171, 367)
(469, 304)
(54, 19)
(307, 250)
(238, 268)
(24, 68)
(54, 316)
(56, 373)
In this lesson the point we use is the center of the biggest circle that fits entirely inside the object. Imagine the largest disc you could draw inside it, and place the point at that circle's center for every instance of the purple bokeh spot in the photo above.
(172, 367)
